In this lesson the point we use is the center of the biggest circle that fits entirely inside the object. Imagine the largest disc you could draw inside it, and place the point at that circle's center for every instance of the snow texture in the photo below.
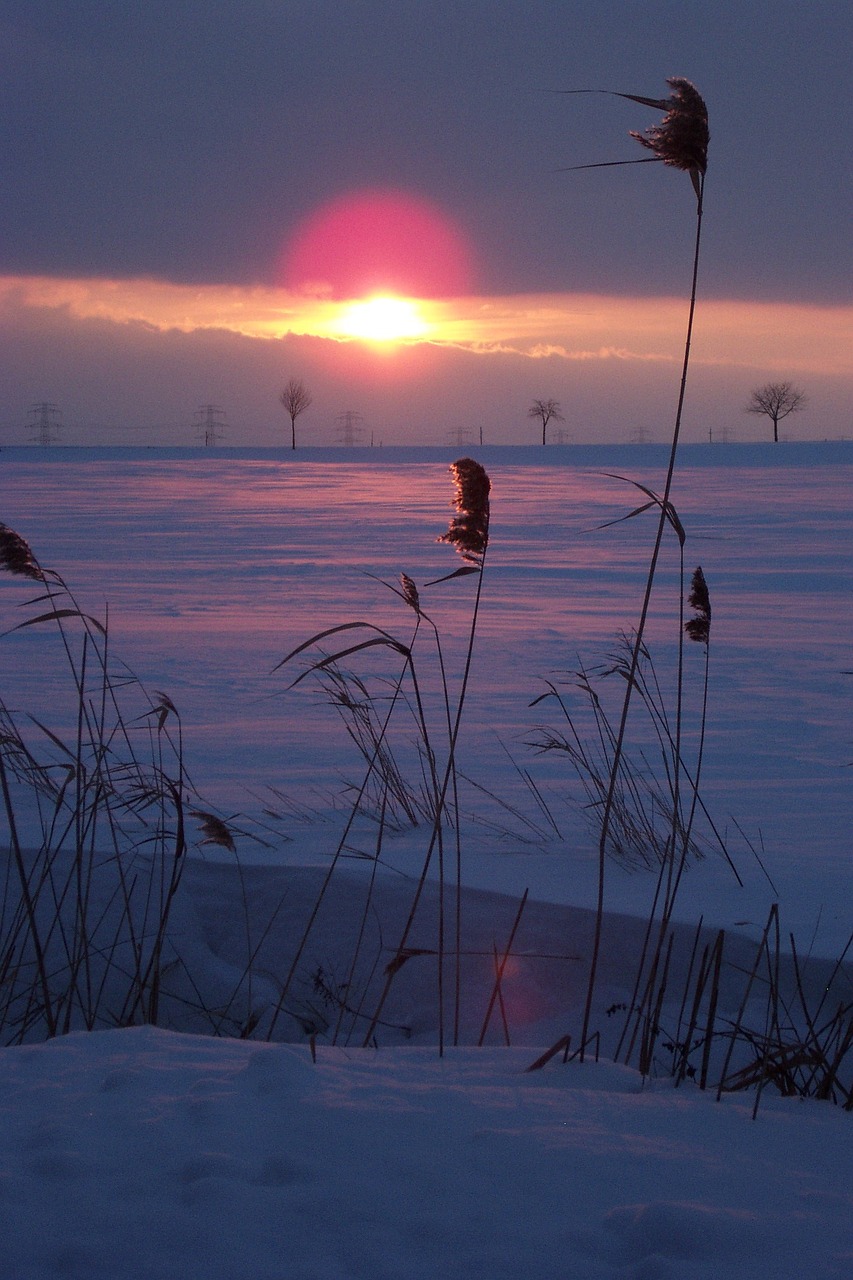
(155, 1153)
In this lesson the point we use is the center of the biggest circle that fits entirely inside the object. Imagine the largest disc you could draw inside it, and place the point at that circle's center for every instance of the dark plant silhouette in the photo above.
(680, 141)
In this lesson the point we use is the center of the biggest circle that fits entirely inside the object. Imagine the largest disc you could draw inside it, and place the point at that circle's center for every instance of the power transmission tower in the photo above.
(459, 436)
(350, 429)
(209, 418)
(560, 436)
(44, 422)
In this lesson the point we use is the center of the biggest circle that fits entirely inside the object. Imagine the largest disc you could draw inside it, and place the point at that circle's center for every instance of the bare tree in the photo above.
(296, 398)
(546, 411)
(775, 401)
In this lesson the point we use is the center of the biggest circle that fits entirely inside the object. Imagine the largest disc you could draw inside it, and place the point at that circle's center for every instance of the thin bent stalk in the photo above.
(350, 978)
(408, 665)
(638, 640)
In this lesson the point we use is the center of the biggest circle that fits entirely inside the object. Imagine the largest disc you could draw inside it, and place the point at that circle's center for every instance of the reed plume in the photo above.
(409, 592)
(681, 138)
(698, 628)
(469, 528)
(16, 555)
(214, 830)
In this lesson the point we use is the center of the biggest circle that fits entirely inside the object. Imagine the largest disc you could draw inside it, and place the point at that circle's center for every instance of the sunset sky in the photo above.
(201, 200)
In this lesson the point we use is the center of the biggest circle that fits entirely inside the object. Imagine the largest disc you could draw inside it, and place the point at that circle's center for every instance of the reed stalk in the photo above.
(679, 141)
(469, 534)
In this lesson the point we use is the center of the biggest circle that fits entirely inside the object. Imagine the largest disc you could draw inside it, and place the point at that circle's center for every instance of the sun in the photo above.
(382, 318)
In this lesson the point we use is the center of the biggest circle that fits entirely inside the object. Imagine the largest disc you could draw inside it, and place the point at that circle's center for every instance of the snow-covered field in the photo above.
(154, 1153)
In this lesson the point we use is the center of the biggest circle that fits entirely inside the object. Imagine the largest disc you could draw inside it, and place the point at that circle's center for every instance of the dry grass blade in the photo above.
(332, 631)
(457, 573)
(56, 615)
(403, 956)
(383, 642)
(655, 500)
(163, 708)
(560, 1046)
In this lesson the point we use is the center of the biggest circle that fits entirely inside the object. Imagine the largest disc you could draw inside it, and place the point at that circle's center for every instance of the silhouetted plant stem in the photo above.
(408, 666)
(449, 772)
(641, 627)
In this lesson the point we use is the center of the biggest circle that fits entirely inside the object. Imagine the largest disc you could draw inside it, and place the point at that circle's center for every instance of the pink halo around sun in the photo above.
(369, 242)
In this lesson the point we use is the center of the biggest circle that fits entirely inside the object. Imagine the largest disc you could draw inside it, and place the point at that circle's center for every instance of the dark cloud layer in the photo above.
(186, 139)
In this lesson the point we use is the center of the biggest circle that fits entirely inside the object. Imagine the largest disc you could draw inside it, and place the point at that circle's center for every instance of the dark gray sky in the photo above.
(186, 139)
(183, 143)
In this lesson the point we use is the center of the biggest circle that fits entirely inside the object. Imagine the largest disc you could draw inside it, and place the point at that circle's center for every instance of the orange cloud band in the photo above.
(793, 339)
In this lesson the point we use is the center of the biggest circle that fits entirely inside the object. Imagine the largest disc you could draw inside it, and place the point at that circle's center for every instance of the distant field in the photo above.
(215, 563)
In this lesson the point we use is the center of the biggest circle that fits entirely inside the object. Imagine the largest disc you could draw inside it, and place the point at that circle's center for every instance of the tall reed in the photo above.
(679, 141)
(468, 534)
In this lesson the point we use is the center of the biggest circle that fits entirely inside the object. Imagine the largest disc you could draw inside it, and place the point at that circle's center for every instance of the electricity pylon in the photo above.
(208, 423)
(44, 422)
(350, 429)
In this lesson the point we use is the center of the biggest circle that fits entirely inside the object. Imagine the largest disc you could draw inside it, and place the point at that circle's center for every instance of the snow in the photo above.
(146, 1153)
(154, 1152)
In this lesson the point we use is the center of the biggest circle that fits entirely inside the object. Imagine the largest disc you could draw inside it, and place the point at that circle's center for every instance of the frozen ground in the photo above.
(214, 564)
(147, 1153)
(144, 1154)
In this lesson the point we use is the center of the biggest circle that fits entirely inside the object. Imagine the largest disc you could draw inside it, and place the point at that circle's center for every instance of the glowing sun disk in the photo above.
(382, 319)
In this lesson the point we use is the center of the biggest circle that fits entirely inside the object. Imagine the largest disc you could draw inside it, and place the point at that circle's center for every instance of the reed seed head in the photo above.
(16, 556)
(410, 592)
(469, 528)
(214, 829)
(681, 138)
(699, 627)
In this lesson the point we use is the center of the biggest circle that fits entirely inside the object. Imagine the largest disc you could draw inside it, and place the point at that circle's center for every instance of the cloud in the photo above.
(802, 340)
(131, 361)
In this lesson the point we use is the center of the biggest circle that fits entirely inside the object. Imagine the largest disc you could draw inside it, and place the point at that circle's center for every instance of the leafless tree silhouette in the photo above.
(546, 411)
(296, 398)
(775, 401)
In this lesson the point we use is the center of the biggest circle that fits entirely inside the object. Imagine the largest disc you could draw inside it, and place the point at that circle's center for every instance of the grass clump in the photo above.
(96, 810)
